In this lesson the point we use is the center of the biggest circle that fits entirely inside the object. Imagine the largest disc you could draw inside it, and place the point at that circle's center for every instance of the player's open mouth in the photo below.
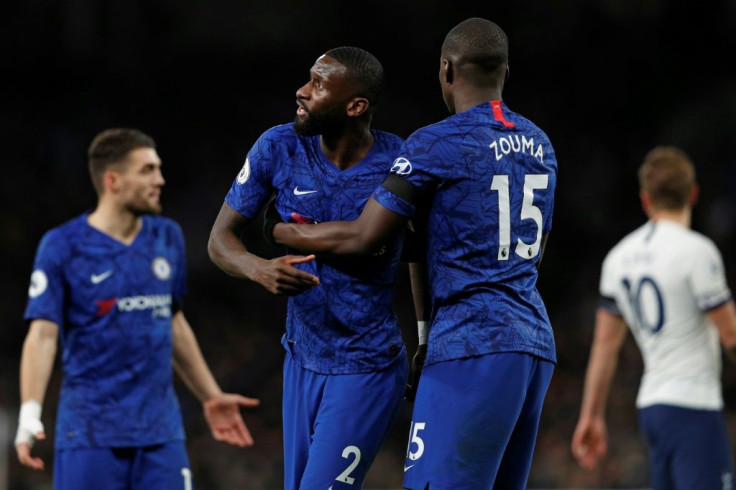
(300, 110)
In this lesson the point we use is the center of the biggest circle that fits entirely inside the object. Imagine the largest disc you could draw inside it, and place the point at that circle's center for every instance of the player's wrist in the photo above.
(423, 331)
(30, 409)
(29, 422)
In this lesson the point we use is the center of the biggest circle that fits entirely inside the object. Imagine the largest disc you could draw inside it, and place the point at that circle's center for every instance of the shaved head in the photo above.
(477, 46)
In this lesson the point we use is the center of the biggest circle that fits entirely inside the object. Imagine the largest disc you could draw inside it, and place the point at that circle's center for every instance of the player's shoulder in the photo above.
(387, 138)
(632, 239)
(280, 131)
(435, 132)
(163, 225)
(66, 232)
(687, 239)
(60, 239)
(523, 123)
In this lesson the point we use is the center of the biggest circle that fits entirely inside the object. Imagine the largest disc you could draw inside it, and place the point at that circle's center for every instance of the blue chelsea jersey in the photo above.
(113, 304)
(346, 324)
(487, 177)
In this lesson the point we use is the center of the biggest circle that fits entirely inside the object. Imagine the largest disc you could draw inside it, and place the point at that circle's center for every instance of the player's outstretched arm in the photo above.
(724, 318)
(590, 440)
(363, 236)
(221, 410)
(36, 364)
(227, 251)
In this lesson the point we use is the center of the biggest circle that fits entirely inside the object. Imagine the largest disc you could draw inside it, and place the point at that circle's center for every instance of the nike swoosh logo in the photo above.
(297, 192)
(407, 468)
(98, 278)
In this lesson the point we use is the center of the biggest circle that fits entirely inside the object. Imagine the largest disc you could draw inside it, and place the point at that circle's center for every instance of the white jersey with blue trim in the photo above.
(662, 279)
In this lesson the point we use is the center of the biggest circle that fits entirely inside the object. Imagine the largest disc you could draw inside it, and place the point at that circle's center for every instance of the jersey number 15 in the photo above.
(532, 182)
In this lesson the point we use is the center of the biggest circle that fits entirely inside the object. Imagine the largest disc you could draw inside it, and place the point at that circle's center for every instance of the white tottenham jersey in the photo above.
(662, 279)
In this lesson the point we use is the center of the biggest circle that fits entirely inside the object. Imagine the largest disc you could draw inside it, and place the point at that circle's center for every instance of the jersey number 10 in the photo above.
(635, 293)
(532, 182)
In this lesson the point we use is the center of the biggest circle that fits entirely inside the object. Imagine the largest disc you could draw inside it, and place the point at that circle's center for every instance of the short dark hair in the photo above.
(362, 68)
(478, 42)
(111, 147)
(668, 176)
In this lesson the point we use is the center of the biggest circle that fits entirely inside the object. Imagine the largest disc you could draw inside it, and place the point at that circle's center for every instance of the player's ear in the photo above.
(110, 181)
(646, 202)
(357, 106)
(694, 194)
(447, 71)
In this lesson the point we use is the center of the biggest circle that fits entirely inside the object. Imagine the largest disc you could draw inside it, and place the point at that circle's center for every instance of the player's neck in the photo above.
(471, 96)
(115, 221)
(682, 217)
(347, 148)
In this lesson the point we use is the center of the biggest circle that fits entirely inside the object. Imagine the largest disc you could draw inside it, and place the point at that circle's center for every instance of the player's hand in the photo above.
(30, 429)
(279, 276)
(222, 413)
(417, 363)
(590, 442)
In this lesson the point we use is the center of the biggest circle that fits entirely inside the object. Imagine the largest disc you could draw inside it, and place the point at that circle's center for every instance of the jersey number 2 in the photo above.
(532, 182)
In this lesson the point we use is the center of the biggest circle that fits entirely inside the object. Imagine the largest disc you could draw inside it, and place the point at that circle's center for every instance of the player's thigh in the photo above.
(93, 468)
(464, 415)
(162, 466)
(354, 418)
(690, 448)
(517, 459)
(302, 394)
(658, 434)
(703, 456)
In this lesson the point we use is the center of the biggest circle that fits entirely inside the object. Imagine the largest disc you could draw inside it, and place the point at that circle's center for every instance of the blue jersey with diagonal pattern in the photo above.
(113, 304)
(346, 324)
(487, 176)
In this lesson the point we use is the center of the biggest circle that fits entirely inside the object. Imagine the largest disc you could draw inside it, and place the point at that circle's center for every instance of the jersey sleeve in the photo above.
(46, 292)
(708, 278)
(608, 287)
(252, 186)
(417, 164)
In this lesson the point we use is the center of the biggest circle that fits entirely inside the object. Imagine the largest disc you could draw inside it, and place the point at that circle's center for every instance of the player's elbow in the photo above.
(215, 248)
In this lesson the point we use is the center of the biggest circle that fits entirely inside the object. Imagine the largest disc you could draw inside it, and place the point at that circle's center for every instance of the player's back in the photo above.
(662, 277)
(492, 176)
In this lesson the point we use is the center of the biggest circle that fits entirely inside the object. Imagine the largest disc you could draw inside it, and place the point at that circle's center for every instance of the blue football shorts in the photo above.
(160, 466)
(688, 448)
(475, 422)
(335, 424)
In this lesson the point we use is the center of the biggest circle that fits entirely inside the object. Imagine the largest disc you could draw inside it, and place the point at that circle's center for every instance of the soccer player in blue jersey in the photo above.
(345, 367)
(667, 284)
(109, 286)
(484, 180)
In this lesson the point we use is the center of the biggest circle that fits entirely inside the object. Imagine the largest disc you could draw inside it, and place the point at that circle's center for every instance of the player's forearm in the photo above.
(419, 290)
(332, 238)
(37, 360)
(724, 318)
(228, 252)
(189, 362)
(598, 378)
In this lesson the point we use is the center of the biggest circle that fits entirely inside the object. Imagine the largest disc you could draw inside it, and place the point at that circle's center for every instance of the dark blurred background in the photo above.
(606, 79)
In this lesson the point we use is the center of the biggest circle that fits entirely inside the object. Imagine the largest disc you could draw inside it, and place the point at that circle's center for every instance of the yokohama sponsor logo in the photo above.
(150, 302)
(159, 303)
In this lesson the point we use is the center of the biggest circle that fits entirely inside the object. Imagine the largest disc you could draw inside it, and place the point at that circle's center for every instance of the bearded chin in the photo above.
(324, 123)
(310, 126)
(139, 209)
